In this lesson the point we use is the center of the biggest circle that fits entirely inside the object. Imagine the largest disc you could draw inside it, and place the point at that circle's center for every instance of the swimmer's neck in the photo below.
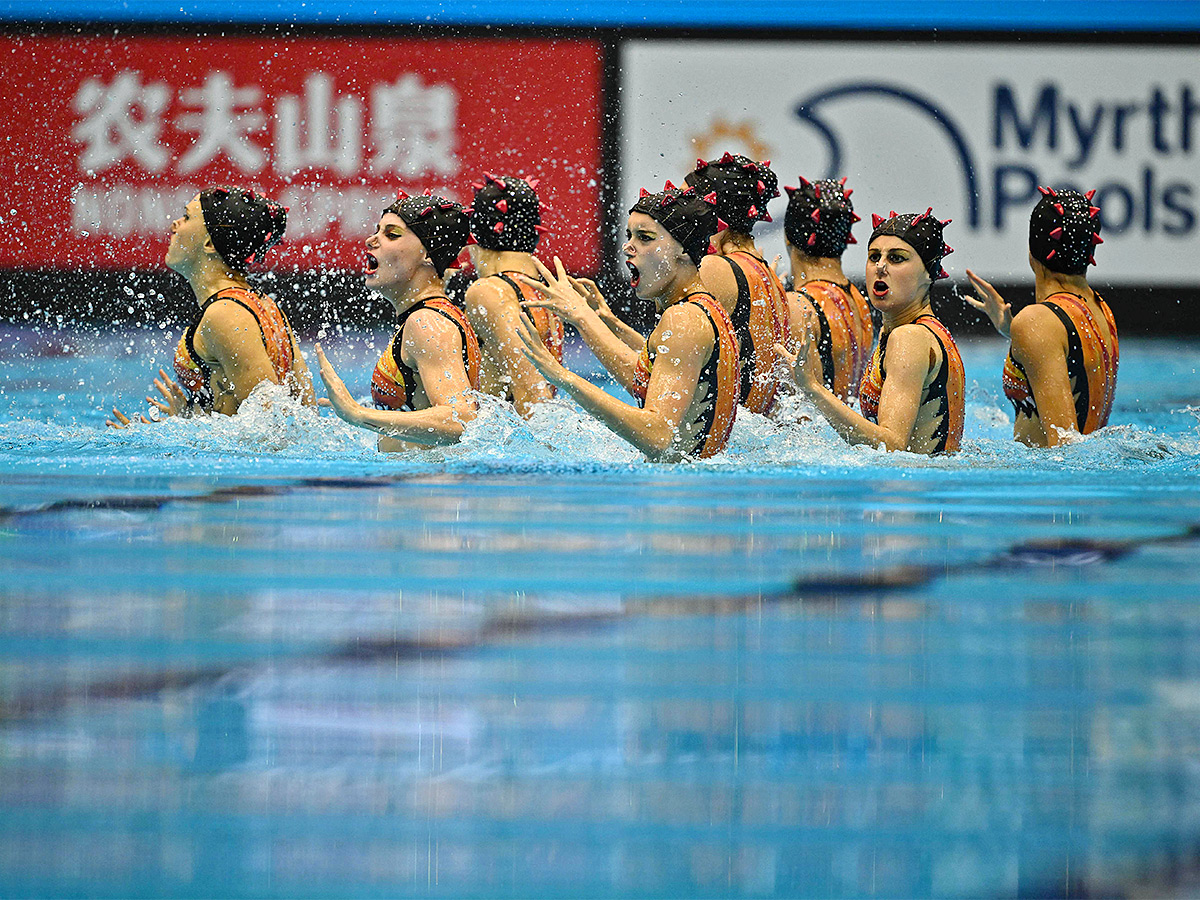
(493, 262)
(907, 314)
(212, 278)
(730, 241)
(805, 268)
(1048, 283)
(688, 282)
(424, 284)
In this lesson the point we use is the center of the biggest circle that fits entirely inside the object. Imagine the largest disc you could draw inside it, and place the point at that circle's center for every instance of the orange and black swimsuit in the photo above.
(195, 375)
(1091, 364)
(845, 321)
(393, 384)
(946, 389)
(719, 379)
(761, 321)
(549, 326)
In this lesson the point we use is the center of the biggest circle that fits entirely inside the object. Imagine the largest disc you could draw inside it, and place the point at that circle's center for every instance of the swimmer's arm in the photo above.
(629, 335)
(495, 317)
(1039, 344)
(907, 364)
(653, 430)
(560, 296)
(230, 340)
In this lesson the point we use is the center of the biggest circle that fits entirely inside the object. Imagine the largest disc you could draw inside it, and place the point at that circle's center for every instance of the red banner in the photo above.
(108, 138)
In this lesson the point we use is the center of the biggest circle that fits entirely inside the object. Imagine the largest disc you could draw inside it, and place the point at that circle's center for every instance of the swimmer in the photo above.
(739, 277)
(833, 313)
(239, 338)
(422, 383)
(912, 393)
(1061, 370)
(506, 224)
(685, 377)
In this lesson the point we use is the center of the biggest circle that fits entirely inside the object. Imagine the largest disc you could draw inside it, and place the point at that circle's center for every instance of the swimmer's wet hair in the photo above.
(242, 224)
(505, 213)
(819, 217)
(922, 232)
(742, 186)
(440, 224)
(1064, 229)
(689, 218)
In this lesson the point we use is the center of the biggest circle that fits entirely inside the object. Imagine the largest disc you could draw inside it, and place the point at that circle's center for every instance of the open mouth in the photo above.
(879, 288)
(634, 272)
(372, 262)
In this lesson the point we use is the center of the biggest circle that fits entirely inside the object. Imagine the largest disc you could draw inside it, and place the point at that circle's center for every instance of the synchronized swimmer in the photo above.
(728, 332)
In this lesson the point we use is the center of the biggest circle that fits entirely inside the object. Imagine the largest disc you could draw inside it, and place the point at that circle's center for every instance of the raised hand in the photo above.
(990, 303)
(174, 402)
(559, 293)
(340, 400)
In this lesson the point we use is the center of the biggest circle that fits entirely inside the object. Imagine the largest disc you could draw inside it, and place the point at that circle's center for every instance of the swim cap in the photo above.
(1063, 230)
(922, 232)
(819, 217)
(241, 223)
(689, 218)
(440, 224)
(505, 214)
(742, 186)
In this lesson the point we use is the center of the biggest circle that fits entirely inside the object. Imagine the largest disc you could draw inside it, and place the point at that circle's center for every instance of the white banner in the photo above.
(969, 129)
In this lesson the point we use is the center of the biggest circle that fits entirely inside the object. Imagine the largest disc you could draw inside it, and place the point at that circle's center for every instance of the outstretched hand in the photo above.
(340, 400)
(990, 303)
(560, 293)
(538, 354)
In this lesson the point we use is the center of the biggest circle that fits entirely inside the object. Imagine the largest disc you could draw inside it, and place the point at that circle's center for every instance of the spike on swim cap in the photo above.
(822, 209)
(441, 225)
(1062, 231)
(742, 187)
(686, 217)
(923, 233)
(243, 225)
(876, 220)
(511, 202)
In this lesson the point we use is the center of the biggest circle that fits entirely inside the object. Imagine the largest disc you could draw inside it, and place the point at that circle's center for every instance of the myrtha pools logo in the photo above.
(1133, 152)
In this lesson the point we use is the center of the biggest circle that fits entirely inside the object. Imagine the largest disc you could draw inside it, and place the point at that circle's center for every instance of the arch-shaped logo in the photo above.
(809, 111)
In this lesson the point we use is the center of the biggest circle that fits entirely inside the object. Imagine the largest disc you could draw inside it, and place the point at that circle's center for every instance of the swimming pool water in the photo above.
(252, 657)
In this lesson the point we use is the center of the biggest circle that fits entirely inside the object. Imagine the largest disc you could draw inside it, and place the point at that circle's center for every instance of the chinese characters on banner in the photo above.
(118, 134)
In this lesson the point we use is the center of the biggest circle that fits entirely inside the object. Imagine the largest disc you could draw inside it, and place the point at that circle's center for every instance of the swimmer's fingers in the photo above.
(591, 293)
(173, 394)
(533, 348)
(543, 271)
(339, 399)
(119, 419)
(324, 401)
(776, 264)
(989, 302)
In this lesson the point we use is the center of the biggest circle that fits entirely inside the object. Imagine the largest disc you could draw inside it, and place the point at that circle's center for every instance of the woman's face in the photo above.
(188, 237)
(652, 255)
(896, 275)
(394, 254)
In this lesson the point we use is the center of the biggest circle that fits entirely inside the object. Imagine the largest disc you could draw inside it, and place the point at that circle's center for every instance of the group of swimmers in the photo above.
(728, 332)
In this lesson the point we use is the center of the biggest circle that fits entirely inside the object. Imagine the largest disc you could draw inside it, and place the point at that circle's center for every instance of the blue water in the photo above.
(253, 657)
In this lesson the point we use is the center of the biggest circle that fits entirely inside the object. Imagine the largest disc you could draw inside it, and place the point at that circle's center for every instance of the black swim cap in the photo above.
(922, 232)
(742, 186)
(241, 223)
(688, 217)
(440, 224)
(505, 214)
(1064, 229)
(819, 217)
